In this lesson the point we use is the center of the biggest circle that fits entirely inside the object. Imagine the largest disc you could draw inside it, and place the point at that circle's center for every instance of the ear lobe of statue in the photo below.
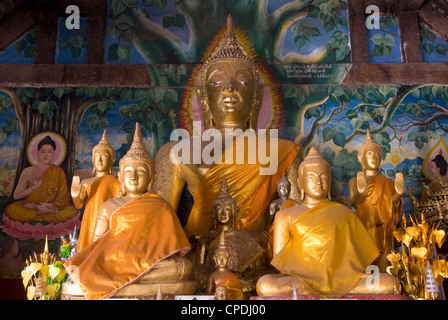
(205, 109)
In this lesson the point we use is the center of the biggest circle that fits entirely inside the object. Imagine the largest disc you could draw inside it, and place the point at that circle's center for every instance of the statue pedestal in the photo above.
(345, 297)
(137, 291)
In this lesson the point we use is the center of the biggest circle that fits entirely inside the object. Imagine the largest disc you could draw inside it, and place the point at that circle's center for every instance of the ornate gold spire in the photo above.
(137, 151)
(224, 196)
(369, 143)
(230, 49)
(222, 247)
(104, 144)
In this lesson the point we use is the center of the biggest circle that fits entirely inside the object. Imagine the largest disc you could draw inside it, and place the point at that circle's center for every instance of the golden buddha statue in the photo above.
(230, 97)
(223, 276)
(92, 192)
(242, 245)
(329, 266)
(378, 199)
(138, 242)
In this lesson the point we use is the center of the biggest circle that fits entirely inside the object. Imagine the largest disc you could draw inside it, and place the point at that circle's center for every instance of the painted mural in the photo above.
(303, 52)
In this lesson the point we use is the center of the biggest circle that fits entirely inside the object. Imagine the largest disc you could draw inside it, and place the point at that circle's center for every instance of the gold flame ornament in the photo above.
(412, 265)
(43, 275)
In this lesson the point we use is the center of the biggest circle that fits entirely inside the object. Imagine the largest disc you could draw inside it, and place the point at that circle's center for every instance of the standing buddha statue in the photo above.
(378, 199)
(91, 193)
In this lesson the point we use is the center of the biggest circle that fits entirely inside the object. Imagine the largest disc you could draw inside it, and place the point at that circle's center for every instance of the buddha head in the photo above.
(283, 187)
(314, 177)
(230, 94)
(103, 155)
(136, 168)
(224, 206)
(45, 150)
(370, 154)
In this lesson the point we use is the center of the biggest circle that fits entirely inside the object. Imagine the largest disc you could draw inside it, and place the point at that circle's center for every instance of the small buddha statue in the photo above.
(92, 192)
(230, 97)
(138, 242)
(378, 199)
(243, 248)
(329, 266)
(222, 276)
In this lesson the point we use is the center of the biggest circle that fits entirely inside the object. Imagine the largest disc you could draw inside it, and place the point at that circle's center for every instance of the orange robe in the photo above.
(231, 282)
(252, 191)
(329, 249)
(270, 236)
(142, 233)
(53, 190)
(101, 190)
(375, 210)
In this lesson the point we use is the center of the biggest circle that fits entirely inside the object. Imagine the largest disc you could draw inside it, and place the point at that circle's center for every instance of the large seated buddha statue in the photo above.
(378, 199)
(138, 243)
(230, 96)
(92, 192)
(320, 247)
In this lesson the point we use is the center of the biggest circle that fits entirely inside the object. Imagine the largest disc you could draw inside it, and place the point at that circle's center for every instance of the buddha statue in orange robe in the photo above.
(91, 193)
(320, 247)
(138, 243)
(230, 97)
(378, 199)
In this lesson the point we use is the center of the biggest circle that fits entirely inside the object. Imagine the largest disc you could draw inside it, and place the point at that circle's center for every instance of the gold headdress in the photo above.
(224, 196)
(230, 49)
(104, 144)
(369, 143)
(138, 152)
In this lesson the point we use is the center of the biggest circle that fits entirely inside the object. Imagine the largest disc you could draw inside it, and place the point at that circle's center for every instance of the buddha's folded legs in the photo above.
(175, 268)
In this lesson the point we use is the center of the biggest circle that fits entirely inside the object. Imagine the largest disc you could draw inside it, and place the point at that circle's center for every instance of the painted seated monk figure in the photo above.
(138, 242)
(320, 247)
(91, 193)
(230, 96)
(42, 193)
(378, 199)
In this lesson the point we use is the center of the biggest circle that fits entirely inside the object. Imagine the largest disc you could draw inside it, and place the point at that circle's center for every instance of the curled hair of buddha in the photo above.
(46, 140)
(369, 143)
(230, 50)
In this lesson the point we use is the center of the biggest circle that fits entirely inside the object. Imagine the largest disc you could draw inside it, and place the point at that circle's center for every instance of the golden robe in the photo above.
(376, 211)
(329, 249)
(142, 233)
(270, 236)
(53, 190)
(231, 282)
(252, 191)
(101, 190)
